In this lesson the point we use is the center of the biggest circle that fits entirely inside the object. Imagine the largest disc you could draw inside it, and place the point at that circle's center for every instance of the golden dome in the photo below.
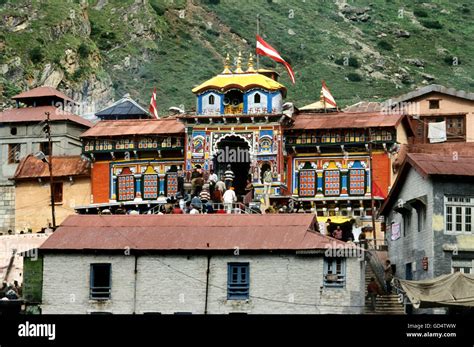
(243, 81)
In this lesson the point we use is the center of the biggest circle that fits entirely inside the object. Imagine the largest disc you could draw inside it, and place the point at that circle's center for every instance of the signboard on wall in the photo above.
(395, 234)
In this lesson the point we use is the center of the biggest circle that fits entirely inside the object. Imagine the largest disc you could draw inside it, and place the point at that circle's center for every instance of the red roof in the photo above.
(188, 232)
(37, 114)
(435, 163)
(170, 125)
(31, 167)
(445, 148)
(344, 120)
(41, 92)
(428, 164)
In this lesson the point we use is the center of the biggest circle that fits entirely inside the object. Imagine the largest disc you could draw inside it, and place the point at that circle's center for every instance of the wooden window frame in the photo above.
(100, 293)
(240, 289)
(334, 279)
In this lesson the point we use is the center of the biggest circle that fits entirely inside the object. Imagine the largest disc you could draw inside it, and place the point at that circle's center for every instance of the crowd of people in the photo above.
(11, 291)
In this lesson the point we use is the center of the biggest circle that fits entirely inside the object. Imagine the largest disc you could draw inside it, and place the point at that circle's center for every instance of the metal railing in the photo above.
(375, 263)
(235, 208)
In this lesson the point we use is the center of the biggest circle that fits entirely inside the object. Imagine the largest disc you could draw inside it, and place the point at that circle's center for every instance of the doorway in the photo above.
(235, 151)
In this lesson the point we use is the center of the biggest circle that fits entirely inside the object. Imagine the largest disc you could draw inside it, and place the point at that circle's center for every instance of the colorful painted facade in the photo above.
(316, 156)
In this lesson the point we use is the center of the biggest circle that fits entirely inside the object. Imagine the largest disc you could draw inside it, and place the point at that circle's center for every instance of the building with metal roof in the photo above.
(125, 108)
(437, 113)
(22, 133)
(318, 159)
(199, 264)
(429, 227)
(71, 187)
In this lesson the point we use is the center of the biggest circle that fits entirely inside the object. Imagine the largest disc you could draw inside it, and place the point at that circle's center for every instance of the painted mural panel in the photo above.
(172, 183)
(307, 183)
(126, 185)
(332, 182)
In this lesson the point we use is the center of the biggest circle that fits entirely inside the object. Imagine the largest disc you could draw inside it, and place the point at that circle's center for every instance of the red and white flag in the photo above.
(265, 49)
(327, 96)
(153, 109)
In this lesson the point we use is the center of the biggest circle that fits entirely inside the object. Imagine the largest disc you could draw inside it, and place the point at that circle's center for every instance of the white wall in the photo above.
(277, 103)
(256, 107)
(176, 283)
(214, 108)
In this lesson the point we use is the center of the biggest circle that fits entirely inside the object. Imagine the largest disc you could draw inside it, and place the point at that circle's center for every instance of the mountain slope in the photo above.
(98, 50)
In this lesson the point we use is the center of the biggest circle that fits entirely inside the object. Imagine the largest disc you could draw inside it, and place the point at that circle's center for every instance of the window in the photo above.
(256, 98)
(356, 182)
(13, 131)
(100, 286)
(44, 147)
(420, 214)
(14, 150)
(334, 272)
(307, 183)
(455, 127)
(464, 270)
(434, 104)
(150, 186)
(238, 281)
(458, 214)
(406, 222)
(332, 182)
(462, 265)
(126, 185)
(58, 192)
(212, 99)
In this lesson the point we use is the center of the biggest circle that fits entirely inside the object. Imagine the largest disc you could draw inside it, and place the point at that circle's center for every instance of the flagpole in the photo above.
(258, 33)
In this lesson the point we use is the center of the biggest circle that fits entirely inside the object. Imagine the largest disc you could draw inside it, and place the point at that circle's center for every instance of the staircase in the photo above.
(385, 304)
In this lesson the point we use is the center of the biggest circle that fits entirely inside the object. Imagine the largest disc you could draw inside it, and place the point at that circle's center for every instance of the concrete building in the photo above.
(22, 133)
(200, 264)
(429, 216)
(436, 104)
(71, 187)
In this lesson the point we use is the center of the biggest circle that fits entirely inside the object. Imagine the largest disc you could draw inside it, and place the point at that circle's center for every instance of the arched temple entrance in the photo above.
(235, 151)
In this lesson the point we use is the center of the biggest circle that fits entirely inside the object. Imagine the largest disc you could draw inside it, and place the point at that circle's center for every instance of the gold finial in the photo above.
(239, 64)
(250, 64)
(227, 65)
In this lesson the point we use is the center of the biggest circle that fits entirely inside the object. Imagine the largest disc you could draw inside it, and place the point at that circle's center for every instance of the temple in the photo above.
(317, 156)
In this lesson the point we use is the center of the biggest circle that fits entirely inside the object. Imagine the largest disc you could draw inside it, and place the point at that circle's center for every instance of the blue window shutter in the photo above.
(238, 281)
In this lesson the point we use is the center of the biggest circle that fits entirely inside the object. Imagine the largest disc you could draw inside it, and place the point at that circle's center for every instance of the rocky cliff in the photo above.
(97, 50)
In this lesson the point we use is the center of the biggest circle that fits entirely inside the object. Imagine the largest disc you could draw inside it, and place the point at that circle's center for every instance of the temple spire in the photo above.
(250, 67)
(227, 65)
(239, 64)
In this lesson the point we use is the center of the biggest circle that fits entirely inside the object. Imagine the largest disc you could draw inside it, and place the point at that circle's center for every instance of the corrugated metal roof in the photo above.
(31, 167)
(343, 120)
(170, 125)
(187, 232)
(41, 92)
(430, 89)
(124, 107)
(37, 114)
(440, 161)
(435, 164)
(445, 148)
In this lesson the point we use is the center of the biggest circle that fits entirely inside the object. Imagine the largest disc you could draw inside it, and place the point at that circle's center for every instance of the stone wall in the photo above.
(7, 208)
(279, 283)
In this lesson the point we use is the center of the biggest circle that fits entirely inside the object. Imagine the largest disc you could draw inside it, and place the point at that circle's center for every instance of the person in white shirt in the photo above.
(194, 210)
(212, 177)
(229, 198)
(229, 177)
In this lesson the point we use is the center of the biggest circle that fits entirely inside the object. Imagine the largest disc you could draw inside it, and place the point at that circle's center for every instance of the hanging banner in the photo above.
(395, 234)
